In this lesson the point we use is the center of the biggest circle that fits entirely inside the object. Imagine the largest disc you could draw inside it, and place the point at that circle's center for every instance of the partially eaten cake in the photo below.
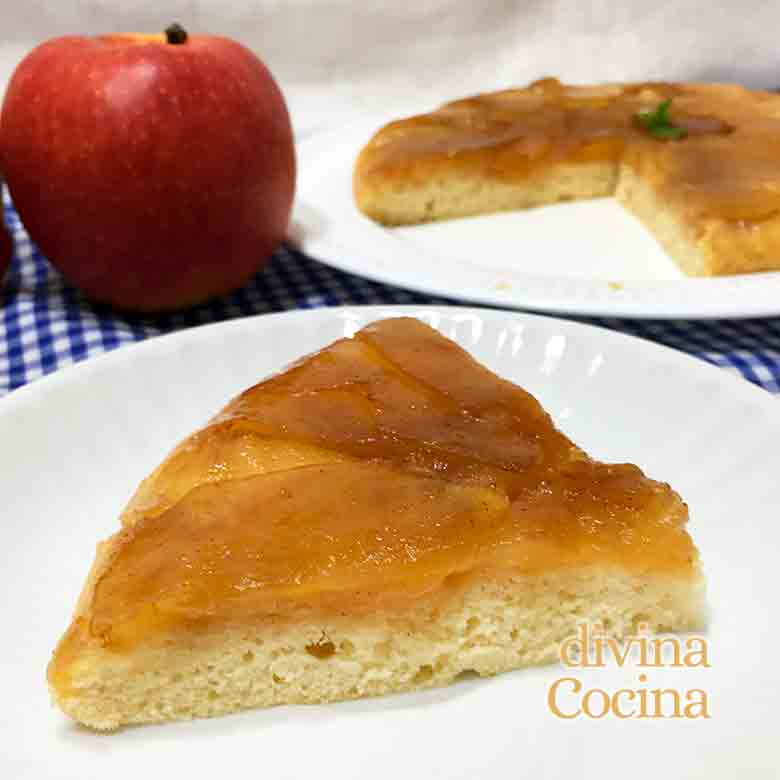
(698, 164)
(384, 515)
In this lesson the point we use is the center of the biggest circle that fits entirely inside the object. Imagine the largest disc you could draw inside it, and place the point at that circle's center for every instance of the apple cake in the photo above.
(384, 515)
(698, 164)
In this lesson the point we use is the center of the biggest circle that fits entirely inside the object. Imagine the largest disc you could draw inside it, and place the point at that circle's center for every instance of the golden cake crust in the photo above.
(719, 186)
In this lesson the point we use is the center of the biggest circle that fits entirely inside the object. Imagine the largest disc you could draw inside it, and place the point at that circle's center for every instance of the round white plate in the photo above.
(588, 257)
(74, 446)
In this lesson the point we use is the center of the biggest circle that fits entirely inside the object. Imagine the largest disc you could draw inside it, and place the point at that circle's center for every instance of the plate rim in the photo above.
(333, 252)
(124, 352)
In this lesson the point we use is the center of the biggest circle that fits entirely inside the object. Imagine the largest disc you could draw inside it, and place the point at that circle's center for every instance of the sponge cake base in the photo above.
(485, 627)
(451, 195)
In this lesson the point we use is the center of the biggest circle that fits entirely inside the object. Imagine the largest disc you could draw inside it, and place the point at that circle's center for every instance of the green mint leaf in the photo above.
(662, 112)
(657, 122)
(646, 118)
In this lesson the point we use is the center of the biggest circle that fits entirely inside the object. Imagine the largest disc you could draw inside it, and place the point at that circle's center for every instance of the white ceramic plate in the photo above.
(74, 446)
(589, 257)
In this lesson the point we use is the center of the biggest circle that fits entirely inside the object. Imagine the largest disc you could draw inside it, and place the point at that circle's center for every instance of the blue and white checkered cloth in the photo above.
(46, 324)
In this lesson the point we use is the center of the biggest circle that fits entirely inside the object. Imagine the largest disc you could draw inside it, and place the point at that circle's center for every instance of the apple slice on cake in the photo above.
(383, 516)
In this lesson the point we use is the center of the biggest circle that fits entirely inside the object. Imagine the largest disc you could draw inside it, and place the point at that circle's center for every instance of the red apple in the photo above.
(155, 171)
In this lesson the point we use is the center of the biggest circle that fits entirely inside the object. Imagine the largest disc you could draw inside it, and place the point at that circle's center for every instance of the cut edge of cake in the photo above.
(443, 195)
(701, 247)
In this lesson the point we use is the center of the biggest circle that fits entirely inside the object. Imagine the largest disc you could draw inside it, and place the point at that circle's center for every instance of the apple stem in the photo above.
(175, 33)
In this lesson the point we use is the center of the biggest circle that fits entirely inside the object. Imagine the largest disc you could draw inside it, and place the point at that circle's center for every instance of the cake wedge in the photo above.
(384, 515)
